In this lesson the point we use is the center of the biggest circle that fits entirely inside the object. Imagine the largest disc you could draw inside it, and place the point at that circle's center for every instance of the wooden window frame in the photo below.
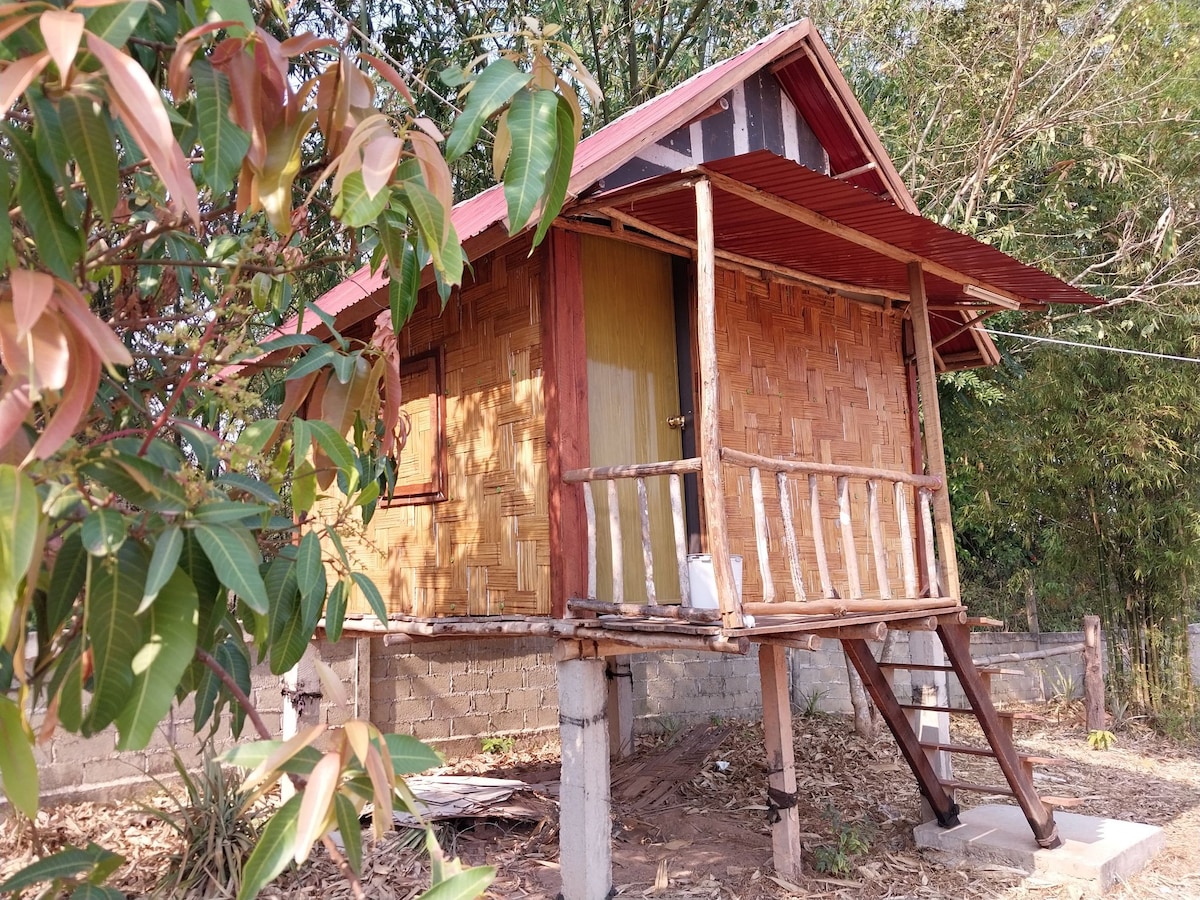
(433, 491)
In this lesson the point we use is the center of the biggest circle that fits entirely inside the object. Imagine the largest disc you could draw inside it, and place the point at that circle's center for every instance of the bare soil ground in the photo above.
(708, 837)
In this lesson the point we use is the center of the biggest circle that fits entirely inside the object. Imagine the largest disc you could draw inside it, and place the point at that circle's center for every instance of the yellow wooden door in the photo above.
(633, 388)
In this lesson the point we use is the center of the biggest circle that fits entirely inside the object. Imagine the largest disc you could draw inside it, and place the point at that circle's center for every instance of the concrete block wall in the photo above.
(684, 687)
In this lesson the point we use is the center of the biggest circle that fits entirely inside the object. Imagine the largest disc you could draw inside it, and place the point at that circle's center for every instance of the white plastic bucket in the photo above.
(704, 580)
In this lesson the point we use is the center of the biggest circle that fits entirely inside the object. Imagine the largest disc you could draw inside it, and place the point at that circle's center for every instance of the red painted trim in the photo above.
(564, 355)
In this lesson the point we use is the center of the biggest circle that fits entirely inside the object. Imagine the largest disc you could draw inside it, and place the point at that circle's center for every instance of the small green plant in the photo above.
(849, 843)
(810, 702)
(1101, 740)
(498, 744)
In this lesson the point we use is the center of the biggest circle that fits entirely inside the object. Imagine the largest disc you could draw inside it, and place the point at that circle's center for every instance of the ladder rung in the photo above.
(1062, 802)
(954, 785)
(983, 622)
(957, 710)
(923, 667)
(987, 751)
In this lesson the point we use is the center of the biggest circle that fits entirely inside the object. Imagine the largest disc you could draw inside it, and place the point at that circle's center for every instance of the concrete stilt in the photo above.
(585, 826)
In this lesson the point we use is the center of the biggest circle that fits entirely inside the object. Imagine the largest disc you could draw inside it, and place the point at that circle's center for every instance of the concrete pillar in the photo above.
(301, 689)
(585, 825)
(929, 689)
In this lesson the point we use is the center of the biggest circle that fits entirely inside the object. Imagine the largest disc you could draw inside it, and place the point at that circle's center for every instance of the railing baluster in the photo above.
(849, 554)
(789, 536)
(614, 530)
(685, 585)
(589, 506)
(814, 508)
(926, 498)
(877, 546)
(761, 539)
(907, 559)
(647, 551)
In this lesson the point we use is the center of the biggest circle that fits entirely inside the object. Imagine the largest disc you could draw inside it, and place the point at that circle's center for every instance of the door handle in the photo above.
(679, 422)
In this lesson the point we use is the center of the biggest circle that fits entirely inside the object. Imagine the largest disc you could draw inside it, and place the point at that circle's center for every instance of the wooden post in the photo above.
(709, 432)
(564, 352)
(1031, 609)
(362, 677)
(620, 706)
(1093, 674)
(781, 759)
(935, 455)
(585, 829)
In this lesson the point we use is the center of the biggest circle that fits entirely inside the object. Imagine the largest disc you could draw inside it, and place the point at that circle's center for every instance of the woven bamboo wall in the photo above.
(812, 377)
(485, 550)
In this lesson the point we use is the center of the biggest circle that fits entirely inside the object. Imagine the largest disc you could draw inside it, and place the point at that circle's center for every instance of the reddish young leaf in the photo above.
(380, 158)
(316, 803)
(18, 76)
(31, 292)
(390, 75)
(62, 31)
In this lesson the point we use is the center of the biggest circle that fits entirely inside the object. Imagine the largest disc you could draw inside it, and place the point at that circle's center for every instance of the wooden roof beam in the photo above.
(813, 219)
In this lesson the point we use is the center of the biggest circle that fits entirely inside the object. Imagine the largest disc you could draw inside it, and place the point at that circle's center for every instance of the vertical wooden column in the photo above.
(935, 456)
(620, 706)
(362, 677)
(929, 687)
(1093, 675)
(709, 431)
(564, 354)
(781, 757)
(585, 828)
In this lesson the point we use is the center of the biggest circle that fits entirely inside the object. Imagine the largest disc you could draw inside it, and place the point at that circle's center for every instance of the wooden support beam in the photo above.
(709, 430)
(585, 826)
(660, 610)
(872, 631)
(929, 623)
(620, 706)
(619, 643)
(806, 641)
(935, 457)
(840, 607)
(781, 760)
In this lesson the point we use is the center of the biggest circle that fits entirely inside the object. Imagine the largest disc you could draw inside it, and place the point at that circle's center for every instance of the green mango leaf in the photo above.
(282, 595)
(91, 891)
(203, 444)
(58, 244)
(234, 563)
(404, 286)
(559, 174)
(216, 512)
(336, 447)
(104, 532)
(304, 487)
(312, 361)
(309, 571)
(531, 122)
(139, 481)
(436, 230)
(20, 526)
(491, 90)
(292, 641)
(350, 830)
(209, 592)
(256, 488)
(67, 863)
(163, 562)
(114, 594)
(335, 611)
(234, 658)
(236, 11)
(275, 849)
(410, 756)
(289, 340)
(354, 207)
(115, 23)
(466, 885)
(94, 148)
(251, 756)
(18, 771)
(225, 144)
(371, 593)
(66, 581)
(255, 435)
(169, 643)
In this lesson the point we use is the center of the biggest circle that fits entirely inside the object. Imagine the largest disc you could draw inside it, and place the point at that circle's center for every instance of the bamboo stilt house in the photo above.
(703, 412)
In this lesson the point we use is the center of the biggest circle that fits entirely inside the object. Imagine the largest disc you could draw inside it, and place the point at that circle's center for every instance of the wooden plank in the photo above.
(878, 548)
(647, 550)
(709, 430)
(590, 510)
(818, 536)
(917, 448)
(931, 574)
(849, 553)
(908, 565)
(781, 759)
(935, 457)
(792, 624)
(803, 467)
(564, 360)
(585, 826)
(664, 610)
(760, 536)
(680, 527)
(790, 546)
(614, 531)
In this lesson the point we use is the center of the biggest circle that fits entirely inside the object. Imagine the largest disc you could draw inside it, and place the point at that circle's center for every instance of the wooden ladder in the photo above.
(997, 728)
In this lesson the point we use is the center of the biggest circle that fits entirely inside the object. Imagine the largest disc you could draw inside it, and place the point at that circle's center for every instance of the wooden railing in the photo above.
(852, 598)
(918, 568)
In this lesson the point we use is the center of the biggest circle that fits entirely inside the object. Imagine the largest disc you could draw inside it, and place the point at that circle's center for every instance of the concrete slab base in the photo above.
(1095, 852)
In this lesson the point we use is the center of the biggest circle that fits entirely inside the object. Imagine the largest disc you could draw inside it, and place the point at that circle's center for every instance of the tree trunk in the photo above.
(864, 722)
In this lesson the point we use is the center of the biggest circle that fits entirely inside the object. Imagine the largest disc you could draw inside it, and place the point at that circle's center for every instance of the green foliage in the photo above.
(498, 744)
(1101, 740)
(849, 843)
